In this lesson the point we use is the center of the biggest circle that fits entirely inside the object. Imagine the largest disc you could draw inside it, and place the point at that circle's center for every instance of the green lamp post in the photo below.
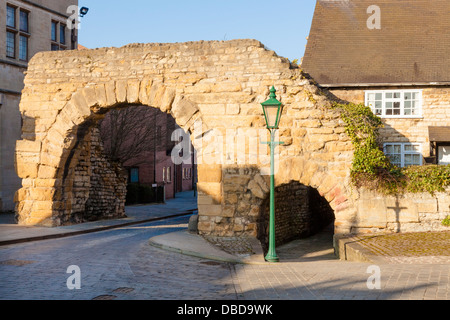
(272, 113)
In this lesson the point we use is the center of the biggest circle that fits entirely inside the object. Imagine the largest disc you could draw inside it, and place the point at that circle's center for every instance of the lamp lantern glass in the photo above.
(272, 109)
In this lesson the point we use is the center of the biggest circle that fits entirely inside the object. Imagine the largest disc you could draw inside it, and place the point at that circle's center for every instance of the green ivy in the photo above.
(427, 178)
(372, 168)
(446, 221)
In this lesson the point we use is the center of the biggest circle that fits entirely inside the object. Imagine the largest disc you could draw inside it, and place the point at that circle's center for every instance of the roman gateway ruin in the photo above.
(214, 91)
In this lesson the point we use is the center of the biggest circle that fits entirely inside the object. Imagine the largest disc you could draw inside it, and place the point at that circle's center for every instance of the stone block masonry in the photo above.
(217, 84)
(300, 212)
(408, 212)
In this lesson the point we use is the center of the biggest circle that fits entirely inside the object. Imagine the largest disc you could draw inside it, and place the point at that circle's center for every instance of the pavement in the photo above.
(184, 204)
(409, 248)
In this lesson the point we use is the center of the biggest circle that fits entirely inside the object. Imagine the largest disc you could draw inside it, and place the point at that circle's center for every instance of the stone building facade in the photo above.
(26, 28)
(393, 57)
(406, 84)
(434, 115)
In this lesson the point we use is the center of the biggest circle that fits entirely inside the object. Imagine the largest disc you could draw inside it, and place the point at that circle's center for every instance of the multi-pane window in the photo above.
(10, 44)
(17, 32)
(62, 34)
(10, 17)
(23, 48)
(10, 31)
(167, 174)
(54, 34)
(24, 21)
(403, 154)
(58, 28)
(395, 103)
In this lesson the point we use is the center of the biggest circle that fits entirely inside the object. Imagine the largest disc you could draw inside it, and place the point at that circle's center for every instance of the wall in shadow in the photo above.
(300, 212)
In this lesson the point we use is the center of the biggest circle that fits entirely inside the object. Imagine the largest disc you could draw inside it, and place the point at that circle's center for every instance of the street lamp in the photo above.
(272, 113)
(83, 11)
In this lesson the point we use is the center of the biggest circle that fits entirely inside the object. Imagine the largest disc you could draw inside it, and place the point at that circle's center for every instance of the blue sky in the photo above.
(281, 25)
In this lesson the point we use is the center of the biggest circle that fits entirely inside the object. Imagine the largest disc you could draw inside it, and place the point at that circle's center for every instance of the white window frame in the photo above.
(385, 100)
(169, 174)
(404, 152)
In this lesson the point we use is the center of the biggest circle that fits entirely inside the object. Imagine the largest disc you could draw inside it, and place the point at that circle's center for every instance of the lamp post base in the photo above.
(272, 258)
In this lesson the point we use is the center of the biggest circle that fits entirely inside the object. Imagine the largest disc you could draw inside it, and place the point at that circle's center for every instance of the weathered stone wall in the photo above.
(93, 187)
(402, 213)
(300, 212)
(99, 186)
(214, 91)
(221, 85)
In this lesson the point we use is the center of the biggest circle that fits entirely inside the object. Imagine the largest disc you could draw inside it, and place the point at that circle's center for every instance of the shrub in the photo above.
(446, 221)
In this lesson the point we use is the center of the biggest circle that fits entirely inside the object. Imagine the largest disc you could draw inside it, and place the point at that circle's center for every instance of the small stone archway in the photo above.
(72, 166)
(301, 212)
(211, 89)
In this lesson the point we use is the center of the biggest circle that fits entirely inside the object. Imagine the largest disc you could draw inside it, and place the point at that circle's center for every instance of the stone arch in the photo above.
(219, 84)
(300, 212)
(60, 145)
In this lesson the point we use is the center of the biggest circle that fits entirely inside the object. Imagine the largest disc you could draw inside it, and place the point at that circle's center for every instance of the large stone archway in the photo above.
(212, 89)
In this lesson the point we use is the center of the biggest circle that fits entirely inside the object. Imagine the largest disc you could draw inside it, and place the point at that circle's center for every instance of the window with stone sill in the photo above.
(58, 29)
(395, 103)
(17, 33)
(23, 48)
(10, 44)
(187, 173)
(10, 16)
(169, 174)
(24, 21)
(404, 154)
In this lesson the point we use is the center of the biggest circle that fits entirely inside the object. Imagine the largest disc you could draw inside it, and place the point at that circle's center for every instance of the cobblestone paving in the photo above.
(121, 265)
(412, 248)
(117, 264)
(310, 270)
(342, 281)
(232, 245)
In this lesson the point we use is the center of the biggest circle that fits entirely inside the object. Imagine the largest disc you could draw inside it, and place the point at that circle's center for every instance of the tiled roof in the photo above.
(439, 134)
(411, 47)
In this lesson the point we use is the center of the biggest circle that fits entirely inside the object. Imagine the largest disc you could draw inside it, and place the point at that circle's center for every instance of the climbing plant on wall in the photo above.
(372, 168)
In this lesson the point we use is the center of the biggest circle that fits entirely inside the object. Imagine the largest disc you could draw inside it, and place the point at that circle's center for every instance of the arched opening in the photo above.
(206, 89)
(300, 212)
(128, 155)
(142, 140)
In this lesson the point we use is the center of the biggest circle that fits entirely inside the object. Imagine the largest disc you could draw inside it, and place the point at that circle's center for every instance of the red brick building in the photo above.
(143, 140)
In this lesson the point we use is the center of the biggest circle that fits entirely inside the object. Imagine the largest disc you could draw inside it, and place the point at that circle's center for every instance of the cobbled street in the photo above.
(120, 264)
(113, 264)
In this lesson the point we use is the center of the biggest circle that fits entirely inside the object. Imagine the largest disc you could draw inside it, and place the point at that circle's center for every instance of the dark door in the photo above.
(179, 178)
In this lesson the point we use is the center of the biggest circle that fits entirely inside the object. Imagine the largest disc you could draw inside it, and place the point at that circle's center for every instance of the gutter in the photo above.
(392, 84)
